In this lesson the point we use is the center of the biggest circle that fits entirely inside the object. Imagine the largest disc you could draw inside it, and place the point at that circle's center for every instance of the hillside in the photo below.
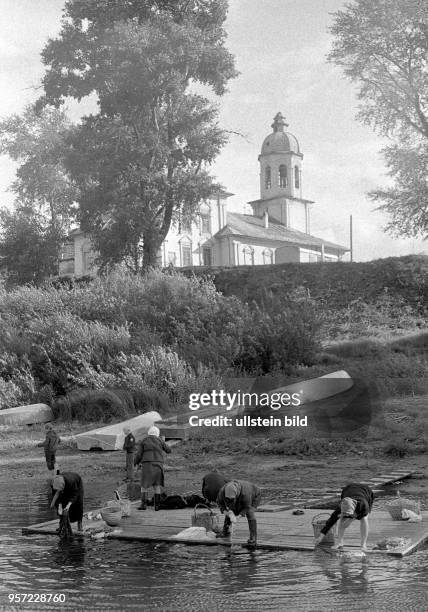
(336, 284)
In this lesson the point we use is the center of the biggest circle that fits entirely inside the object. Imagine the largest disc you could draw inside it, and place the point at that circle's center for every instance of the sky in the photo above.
(280, 47)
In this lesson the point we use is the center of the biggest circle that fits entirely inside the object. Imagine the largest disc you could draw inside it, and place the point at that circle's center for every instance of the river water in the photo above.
(113, 575)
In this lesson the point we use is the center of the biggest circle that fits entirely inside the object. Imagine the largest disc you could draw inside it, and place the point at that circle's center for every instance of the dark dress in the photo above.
(211, 485)
(150, 455)
(72, 492)
(364, 497)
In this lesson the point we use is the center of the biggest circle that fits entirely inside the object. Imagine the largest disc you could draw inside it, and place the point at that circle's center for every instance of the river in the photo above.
(113, 575)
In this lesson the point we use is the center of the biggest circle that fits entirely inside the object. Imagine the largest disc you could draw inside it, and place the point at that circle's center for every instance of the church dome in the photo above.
(280, 141)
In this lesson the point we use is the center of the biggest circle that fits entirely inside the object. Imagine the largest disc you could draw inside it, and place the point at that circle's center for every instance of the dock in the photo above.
(280, 530)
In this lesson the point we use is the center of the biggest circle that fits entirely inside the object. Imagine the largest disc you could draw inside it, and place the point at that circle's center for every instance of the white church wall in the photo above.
(287, 254)
(297, 213)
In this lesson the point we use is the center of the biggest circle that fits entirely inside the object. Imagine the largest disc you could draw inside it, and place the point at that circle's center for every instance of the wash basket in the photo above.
(398, 504)
(206, 518)
(318, 522)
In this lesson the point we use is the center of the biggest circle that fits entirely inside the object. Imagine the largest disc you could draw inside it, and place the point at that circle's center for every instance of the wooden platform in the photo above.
(276, 531)
(323, 498)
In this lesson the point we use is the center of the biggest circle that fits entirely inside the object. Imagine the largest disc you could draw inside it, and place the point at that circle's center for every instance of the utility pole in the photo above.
(351, 247)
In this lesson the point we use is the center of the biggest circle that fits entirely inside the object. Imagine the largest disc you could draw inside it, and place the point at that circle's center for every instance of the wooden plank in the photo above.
(279, 530)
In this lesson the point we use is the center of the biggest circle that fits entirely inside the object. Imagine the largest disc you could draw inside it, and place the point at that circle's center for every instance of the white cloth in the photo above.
(195, 533)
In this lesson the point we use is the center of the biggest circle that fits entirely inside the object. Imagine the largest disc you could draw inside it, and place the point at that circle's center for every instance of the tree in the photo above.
(143, 159)
(382, 45)
(407, 201)
(28, 248)
(45, 195)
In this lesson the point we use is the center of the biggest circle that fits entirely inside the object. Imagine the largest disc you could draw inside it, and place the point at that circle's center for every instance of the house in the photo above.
(277, 231)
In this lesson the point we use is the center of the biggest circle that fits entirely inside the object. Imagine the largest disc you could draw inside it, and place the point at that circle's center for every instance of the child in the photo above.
(50, 445)
(129, 447)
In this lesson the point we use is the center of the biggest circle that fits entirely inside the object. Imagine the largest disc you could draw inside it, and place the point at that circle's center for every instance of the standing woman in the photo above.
(150, 455)
(68, 496)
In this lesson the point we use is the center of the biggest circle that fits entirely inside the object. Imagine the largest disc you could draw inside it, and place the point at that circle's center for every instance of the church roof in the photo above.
(280, 141)
(254, 227)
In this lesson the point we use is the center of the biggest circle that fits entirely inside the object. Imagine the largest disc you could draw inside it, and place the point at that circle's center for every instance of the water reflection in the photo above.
(103, 574)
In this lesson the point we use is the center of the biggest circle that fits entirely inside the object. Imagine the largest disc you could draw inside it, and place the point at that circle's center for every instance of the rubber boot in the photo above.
(143, 505)
(157, 502)
(252, 540)
(226, 532)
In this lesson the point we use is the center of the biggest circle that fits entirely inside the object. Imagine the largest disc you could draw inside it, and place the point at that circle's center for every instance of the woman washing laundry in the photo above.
(150, 455)
(68, 497)
(356, 501)
(239, 497)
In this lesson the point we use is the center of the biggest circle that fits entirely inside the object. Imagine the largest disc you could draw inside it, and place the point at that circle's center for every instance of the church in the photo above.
(277, 231)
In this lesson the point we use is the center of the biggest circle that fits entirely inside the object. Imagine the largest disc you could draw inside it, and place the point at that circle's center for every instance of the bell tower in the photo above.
(280, 162)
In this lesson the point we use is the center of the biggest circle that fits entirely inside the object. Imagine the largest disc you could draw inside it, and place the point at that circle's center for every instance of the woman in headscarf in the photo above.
(68, 496)
(241, 498)
(356, 501)
(150, 455)
(211, 485)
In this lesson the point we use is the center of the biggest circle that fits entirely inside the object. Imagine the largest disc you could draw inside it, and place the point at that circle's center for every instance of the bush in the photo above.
(104, 405)
(281, 335)
(162, 371)
(10, 394)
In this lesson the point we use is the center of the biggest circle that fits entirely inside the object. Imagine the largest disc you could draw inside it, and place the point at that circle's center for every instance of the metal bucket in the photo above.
(318, 522)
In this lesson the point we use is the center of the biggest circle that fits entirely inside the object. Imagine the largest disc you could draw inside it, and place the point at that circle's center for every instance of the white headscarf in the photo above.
(154, 431)
(347, 506)
(231, 490)
(58, 483)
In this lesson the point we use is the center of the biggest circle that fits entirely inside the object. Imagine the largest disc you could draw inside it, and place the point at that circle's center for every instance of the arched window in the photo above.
(282, 175)
(268, 256)
(296, 177)
(268, 178)
(248, 256)
(186, 252)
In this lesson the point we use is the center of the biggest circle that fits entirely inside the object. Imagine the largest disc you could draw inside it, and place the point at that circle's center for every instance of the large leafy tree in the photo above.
(44, 194)
(143, 159)
(28, 246)
(382, 45)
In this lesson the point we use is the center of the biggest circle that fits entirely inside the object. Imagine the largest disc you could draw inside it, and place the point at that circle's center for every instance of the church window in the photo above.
(205, 224)
(282, 176)
(68, 251)
(248, 256)
(186, 254)
(268, 256)
(268, 178)
(207, 256)
(296, 177)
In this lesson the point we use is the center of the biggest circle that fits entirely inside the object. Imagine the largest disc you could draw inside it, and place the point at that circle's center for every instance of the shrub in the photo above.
(162, 371)
(10, 394)
(87, 405)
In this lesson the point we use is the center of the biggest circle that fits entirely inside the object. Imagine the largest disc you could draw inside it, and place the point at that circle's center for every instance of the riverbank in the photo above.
(293, 473)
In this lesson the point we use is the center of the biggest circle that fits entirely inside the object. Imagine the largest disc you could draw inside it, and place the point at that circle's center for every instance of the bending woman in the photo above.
(68, 496)
(242, 498)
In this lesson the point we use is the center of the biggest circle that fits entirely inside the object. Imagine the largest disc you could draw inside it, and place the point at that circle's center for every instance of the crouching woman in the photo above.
(242, 498)
(68, 496)
(356, 501)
